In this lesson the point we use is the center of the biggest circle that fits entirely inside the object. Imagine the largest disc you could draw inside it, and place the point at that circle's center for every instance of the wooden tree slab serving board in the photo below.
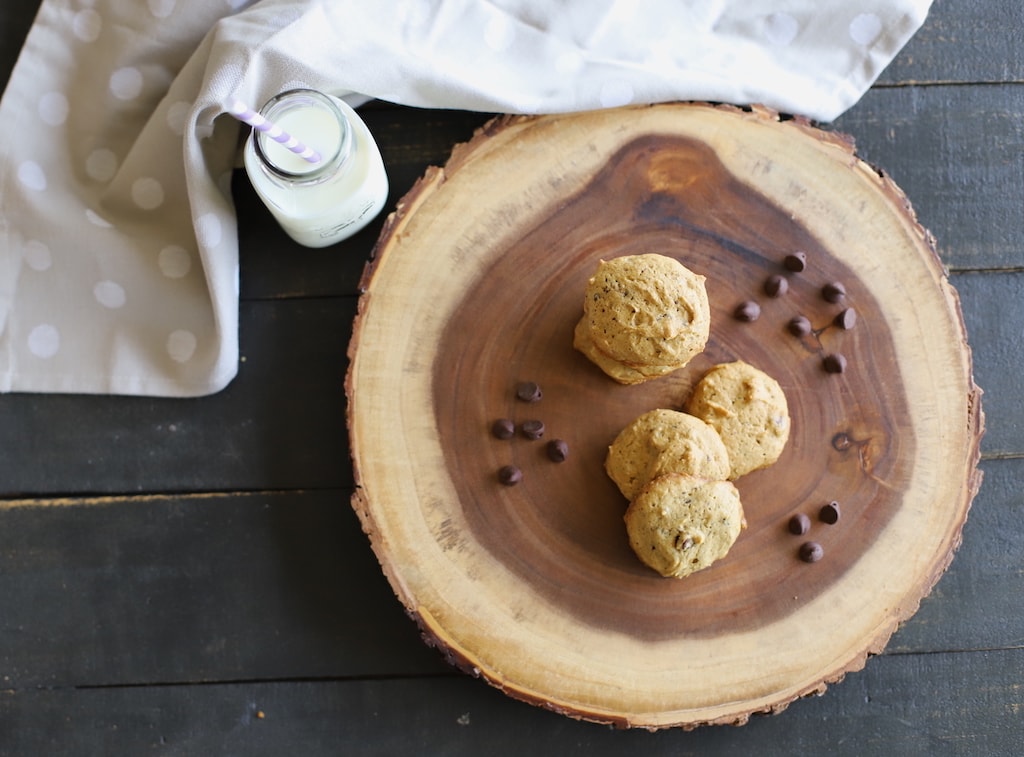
(476, 285)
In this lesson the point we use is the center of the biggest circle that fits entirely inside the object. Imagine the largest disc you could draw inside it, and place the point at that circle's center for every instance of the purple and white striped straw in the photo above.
(247, 115)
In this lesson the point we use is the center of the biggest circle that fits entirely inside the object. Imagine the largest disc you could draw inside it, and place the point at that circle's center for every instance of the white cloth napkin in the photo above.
(118, 245)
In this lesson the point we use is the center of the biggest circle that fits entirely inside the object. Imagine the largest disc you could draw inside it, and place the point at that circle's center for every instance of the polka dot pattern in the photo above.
(865, 29)
(87, 25)
(109, 294)
(44, 341)
(53, 108)
(177, 115)
(781, 29)
(126, 83)
(31, 176)
(38, 256)
(181, 345)
(174, 261)
(101, 164)
(147, 193)
(161, 8)
(209, 230)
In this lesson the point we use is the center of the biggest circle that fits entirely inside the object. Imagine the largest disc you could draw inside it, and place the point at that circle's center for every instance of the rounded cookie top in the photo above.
(748, 409)
(665, 441)
(680, 524)
(647, 310)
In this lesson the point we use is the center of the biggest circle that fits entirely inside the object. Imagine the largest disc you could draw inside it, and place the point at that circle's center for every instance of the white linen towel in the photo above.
(118, 245)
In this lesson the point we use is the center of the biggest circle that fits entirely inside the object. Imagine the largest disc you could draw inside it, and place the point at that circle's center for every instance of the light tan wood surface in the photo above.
(477, 284)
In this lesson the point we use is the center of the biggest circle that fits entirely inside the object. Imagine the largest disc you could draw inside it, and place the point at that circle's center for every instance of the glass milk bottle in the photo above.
(320, 203)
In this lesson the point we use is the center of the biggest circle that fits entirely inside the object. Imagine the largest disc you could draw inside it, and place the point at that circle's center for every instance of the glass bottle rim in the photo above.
(300, 97)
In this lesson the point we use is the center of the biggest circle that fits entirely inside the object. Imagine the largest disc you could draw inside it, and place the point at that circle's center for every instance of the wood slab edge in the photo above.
(431, 631)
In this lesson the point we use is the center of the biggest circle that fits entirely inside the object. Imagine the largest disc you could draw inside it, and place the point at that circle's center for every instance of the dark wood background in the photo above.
(185, 577)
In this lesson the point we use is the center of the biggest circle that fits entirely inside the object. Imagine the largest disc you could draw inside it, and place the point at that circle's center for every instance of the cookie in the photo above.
(643, 316)
(665, 441)
(680, 524)
(748, 409)
(622, 373)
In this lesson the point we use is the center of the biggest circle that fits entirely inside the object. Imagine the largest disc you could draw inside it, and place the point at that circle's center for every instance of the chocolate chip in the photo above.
(834, 292)
(747, 311)
(557, 450)
(829, 513)
(799, 524)
(510, 475)
(532, 429)
(811, 551)
(503, 428)
(799, 326)
(847, 319)
(796, 261)
(684, 542)
(834, 363)
(528, 391)
(776, 286)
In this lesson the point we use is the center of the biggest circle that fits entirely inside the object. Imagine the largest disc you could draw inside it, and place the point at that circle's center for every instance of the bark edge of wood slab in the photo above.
(476, 284)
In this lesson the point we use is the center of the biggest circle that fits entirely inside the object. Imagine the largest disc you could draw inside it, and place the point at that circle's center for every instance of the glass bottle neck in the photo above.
(313, 118)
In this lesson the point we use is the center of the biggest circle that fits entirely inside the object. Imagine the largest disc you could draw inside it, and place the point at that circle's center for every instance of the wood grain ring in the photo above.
(476, 285)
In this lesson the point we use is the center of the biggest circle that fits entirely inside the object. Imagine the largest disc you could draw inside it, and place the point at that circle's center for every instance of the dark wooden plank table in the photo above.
(186, 576)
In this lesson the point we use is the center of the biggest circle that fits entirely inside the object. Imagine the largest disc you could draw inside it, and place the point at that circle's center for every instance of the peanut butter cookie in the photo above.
(643, 316)
(680, 524)
(748, 409)
(665, 441)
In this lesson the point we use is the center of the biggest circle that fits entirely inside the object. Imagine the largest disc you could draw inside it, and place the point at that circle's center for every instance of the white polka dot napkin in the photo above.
(118, 247)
